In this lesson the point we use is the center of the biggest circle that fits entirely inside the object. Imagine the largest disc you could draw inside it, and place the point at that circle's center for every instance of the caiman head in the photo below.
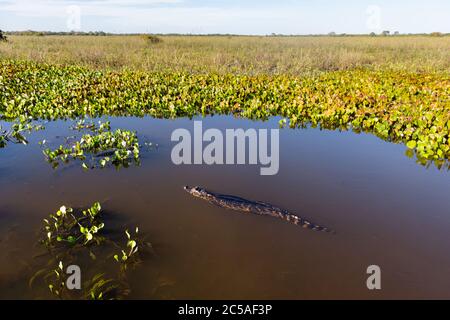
(196, 191)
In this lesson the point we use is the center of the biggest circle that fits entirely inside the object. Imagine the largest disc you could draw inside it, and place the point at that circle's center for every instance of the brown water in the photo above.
(386, 209)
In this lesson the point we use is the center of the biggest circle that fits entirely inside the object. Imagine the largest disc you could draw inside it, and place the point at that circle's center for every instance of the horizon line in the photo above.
(331, 34)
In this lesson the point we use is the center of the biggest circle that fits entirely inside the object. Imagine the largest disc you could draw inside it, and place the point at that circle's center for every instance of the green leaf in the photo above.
(131, 244)
(411, 144)
(71, 239)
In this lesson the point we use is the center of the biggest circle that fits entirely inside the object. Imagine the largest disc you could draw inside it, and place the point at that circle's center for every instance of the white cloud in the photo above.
(152, 16)
(54, 8)
(248, 17)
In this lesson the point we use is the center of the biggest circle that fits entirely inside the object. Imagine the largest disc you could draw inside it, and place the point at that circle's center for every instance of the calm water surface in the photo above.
(386, 209)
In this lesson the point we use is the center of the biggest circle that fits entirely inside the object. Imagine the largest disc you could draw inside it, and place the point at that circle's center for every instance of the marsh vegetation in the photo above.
(398, 106)
(235, 54)
(71, 235)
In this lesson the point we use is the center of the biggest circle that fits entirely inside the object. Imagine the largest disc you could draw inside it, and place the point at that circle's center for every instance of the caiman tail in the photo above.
(304, 223)
(256, 207)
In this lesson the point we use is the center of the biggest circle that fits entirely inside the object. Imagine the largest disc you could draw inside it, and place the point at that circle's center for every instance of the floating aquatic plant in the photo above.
(99, 287)
(129, 255)
(16, 133)
(69, 235)
(73, 228)
(119, 148)
(92, 126)
(398, 106)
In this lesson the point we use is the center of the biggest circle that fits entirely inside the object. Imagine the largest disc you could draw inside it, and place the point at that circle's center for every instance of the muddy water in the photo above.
(386, 209)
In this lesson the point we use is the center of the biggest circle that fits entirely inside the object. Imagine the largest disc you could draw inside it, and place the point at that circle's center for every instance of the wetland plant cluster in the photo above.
(73, 236)
(398, 106)
(70, 236)
(16, 132)
(102, 146)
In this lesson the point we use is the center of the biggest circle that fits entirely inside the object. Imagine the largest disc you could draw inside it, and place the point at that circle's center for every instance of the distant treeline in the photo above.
(102, 33)
(58, 33)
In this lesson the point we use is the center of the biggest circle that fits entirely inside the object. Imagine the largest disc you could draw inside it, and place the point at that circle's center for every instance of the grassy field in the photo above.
(397, 88)
(235, 54)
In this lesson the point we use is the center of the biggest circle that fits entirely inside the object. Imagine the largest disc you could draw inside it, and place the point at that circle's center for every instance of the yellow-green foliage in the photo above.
(408, 107)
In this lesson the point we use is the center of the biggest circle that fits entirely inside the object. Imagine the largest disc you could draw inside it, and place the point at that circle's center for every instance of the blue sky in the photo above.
(232, 16)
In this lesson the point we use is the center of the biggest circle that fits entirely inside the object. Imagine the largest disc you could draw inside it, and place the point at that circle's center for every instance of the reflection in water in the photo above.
(389, 212)
(122, 157)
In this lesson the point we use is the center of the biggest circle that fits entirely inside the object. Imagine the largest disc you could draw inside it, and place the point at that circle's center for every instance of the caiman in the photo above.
(255, 207)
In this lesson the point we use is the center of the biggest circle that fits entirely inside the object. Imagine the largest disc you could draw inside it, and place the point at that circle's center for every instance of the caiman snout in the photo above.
(196, 191)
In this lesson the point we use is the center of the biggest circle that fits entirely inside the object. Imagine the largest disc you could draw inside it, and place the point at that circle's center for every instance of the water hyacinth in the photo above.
(69, 234)
(413, 108)
(117, 147)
